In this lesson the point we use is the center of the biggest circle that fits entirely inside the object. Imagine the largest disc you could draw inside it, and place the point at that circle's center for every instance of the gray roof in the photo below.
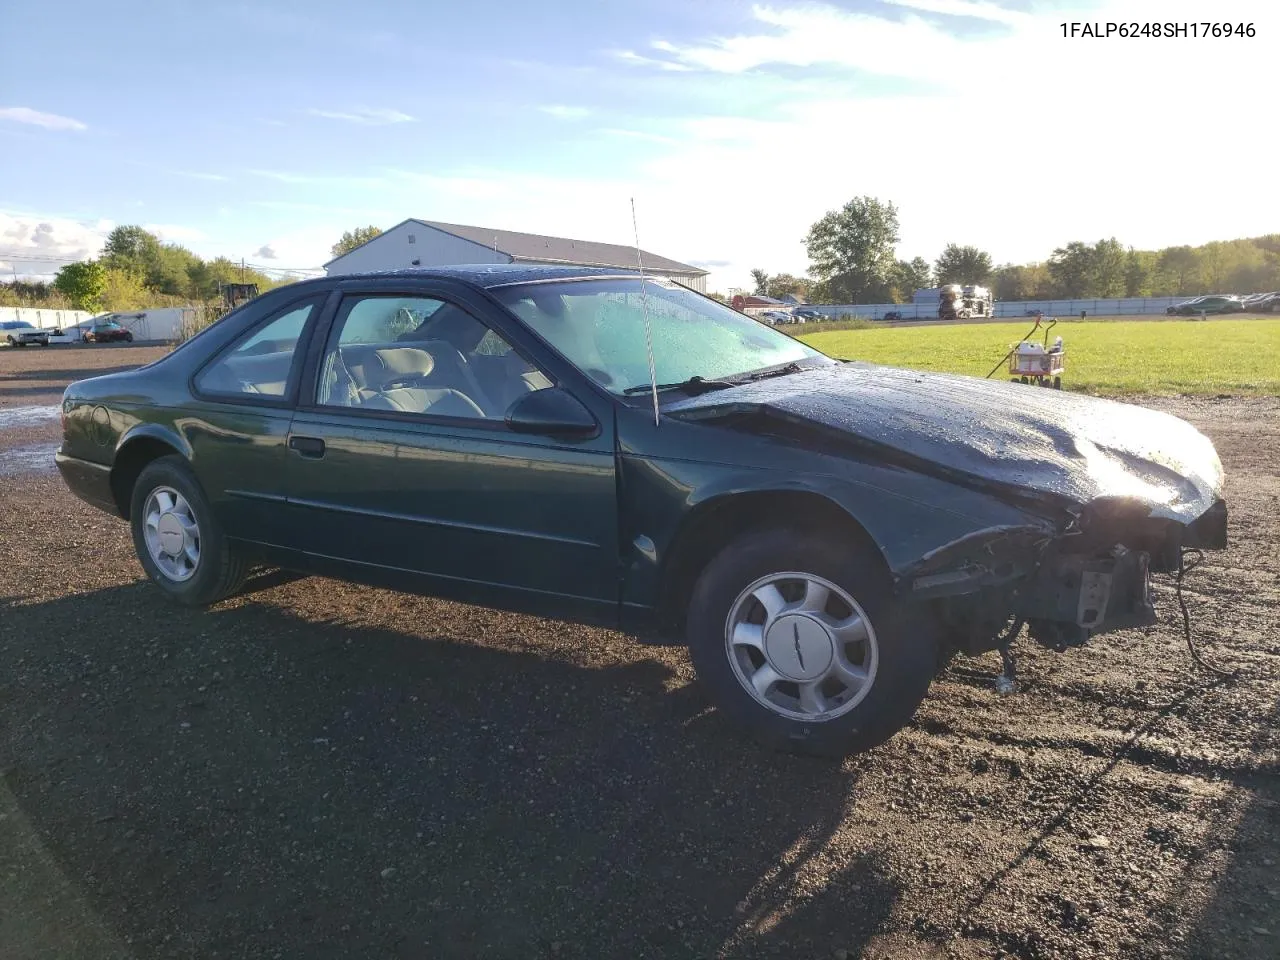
(533, 246)
(484, 275)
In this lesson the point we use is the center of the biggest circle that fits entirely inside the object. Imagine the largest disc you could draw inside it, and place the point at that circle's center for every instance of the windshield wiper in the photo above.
(693, 385)
(783, 371)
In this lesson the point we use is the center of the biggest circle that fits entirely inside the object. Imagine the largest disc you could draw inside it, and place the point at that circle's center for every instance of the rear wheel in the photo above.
(178, 539)
(795, 637)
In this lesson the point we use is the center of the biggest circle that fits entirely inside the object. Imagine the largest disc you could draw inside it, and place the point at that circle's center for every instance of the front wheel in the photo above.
(796, 638)
(178, 539)
(128, 338)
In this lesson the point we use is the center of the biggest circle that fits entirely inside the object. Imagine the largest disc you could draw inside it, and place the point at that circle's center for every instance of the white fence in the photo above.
(163, 323)
(42, 318)
(1131, 306)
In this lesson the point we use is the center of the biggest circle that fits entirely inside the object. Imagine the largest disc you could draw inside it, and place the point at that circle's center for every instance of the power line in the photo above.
(19, 257)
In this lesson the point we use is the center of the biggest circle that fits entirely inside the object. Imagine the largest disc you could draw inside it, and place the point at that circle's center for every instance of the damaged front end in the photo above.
(1090, 576)
(1103, 494)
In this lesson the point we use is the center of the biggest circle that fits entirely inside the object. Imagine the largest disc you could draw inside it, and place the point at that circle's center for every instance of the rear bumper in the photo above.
(89, 481)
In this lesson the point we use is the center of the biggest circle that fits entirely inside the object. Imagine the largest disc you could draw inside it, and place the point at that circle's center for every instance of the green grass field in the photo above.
(1108, 356)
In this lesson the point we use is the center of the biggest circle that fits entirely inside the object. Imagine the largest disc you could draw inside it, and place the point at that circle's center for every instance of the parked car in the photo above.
(107, 331)
(893, 315)
(778, 316)
(19, 333)
(821, 534)
(1262, 303)
(1215, 304)
(806, 313)
(1268, 304)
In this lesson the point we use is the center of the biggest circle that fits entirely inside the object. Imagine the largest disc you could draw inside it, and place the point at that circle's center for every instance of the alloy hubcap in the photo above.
(801, 646)
(172, 534)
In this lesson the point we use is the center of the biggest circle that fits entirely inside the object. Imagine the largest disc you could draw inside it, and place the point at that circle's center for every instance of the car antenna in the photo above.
(644, 308)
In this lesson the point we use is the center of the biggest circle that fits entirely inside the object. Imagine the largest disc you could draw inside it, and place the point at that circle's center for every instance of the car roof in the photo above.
(487, 275)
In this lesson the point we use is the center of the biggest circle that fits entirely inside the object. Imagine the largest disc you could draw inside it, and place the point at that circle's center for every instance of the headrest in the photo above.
(405, 361)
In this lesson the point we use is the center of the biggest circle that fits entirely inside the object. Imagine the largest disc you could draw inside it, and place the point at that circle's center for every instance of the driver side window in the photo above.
(420, 355)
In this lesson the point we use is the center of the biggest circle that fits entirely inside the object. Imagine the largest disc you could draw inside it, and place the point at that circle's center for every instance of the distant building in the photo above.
(753, 305)
(428, 243)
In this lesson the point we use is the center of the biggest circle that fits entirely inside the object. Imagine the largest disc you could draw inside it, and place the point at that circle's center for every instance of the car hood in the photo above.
(1065, 445)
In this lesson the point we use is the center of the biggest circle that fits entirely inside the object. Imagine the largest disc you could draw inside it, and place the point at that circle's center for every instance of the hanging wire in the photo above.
(1183, 569)
(644, 307)
(1005, 358)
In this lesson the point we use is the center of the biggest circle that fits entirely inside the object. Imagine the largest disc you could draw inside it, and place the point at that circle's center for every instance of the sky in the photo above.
(262, 130)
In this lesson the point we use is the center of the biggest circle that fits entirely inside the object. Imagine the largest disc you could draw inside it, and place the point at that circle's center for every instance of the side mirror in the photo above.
(552, 412)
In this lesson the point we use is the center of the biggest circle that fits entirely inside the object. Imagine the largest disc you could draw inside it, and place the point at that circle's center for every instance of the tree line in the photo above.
(852, 259)
(135, 270)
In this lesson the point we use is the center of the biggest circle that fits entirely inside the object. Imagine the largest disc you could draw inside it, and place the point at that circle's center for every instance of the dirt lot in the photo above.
(319, 770)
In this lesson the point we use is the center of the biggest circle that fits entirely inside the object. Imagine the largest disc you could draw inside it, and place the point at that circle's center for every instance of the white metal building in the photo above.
(426, 243)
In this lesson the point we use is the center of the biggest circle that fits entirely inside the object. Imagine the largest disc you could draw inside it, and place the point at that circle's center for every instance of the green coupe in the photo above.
(597, 447)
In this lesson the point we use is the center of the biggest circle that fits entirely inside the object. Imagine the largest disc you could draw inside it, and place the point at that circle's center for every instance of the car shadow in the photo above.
(246, 782)
(1237, 920)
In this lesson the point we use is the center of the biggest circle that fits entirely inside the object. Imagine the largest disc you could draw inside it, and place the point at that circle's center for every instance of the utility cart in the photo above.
(1030, 362)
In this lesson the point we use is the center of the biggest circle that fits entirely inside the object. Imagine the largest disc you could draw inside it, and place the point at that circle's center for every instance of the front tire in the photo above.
(796, 637)
(178, 540)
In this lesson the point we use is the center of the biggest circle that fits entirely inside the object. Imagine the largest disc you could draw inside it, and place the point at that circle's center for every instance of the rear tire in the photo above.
(177, 538)
(840, 690)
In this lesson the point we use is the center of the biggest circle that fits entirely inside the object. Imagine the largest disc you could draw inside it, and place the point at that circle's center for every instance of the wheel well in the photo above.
(130, 461)
(714, 524)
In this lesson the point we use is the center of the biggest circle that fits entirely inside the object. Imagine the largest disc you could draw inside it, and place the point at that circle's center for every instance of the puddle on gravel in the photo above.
(37, 458)
(27, 416)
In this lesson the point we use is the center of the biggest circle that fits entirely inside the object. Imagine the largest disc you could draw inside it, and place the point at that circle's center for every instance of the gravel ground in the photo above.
(320, 770)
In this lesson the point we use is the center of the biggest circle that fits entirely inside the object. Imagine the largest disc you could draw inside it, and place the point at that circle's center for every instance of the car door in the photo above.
(238, 420)
(403, 468)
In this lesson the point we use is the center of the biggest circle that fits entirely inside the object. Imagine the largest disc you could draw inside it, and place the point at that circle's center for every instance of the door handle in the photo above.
(310, 447)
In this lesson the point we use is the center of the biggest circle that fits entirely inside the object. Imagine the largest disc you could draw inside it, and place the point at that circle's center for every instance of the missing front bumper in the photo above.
(1073, 596)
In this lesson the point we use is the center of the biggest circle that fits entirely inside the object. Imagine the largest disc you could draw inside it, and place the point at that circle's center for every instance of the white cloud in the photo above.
(563, 112)
(976, 9)
(365, 115)
(50, 121)
(36, 246)
(197, 175)
(1019, 140)
(634, 59)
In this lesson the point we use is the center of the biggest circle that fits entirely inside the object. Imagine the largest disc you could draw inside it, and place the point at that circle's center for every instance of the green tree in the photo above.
(1180, 267)
(781, 284)
(851, 250)
(910, 276)
(131, 248)
(761, 279)
(82, 283)
(965, 265)
(1070, 269)
(208, 276)
(1139, 270)
(171, 270)
(1107, 269)
(125, 290)
(354, 238)
(1012, 281)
